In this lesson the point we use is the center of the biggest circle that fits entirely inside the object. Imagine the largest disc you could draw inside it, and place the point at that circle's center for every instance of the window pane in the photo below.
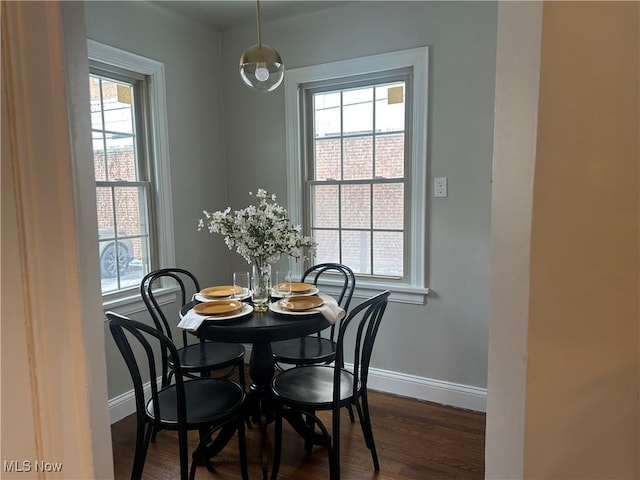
(328, 155)
(390, 156)
(131, 210)
(117, 104)
(328, 246)
(327, 114)
(356, 206)
(388, 206)
(105, 210)
(358, 158)
(121, 160)
(96, 104)
(99, 166)
(325, 206)
(388, 257)
(358, 111)
(390, 108)
(121, 256)
(356, 251)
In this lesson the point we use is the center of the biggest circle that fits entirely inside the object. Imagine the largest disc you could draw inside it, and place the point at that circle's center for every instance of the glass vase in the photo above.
(261, 286)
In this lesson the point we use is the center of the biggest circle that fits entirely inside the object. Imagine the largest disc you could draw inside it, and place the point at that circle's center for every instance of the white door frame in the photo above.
(54, 395)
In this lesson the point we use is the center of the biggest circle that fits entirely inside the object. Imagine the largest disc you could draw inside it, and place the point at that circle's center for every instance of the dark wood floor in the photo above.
(415, 440)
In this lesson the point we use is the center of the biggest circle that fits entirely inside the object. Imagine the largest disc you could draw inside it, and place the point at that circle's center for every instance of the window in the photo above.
(131, 164)
(356, 179)
(357, 168)
(121, 173)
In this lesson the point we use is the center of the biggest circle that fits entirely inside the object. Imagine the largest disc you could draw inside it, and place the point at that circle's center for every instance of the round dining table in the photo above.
(260, 329)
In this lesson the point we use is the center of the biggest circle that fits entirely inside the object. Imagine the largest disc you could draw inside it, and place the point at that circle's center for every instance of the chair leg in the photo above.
(277, 448)
(243, 384)
(308, 441)
(143, 435)
(241, 376)
(335, 452)
(154, 433)
(184, 455)
(242, 448)
(351, 417)
(263, 442)
(369, 431)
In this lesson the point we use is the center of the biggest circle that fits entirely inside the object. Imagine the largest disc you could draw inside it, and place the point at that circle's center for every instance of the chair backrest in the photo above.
(338, 271)
(152, 341)
(188, 284)
(365, 320)
(347, 283)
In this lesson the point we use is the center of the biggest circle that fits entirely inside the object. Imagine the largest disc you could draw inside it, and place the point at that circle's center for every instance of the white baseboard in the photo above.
(431, 390)
(125, 404)
(445, 393)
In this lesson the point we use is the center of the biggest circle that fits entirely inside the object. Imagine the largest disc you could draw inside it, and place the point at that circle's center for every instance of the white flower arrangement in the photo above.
(260, 234)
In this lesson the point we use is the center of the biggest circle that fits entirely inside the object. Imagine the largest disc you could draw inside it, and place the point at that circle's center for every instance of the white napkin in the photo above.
(330, 309)
(191, 321)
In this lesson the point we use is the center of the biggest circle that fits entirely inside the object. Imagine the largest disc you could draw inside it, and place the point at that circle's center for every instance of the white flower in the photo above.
(260, 234)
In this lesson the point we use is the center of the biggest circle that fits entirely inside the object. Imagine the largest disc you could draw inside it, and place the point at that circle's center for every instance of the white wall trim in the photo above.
(412, 386)
(51, 341)
(163, 210)
(429, 389)
(124, 404)
(518, 54)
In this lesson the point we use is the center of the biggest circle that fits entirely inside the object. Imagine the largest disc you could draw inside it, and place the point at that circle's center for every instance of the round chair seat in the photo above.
(207, 400)
(312, 386)
(304, 350)
(200, 356)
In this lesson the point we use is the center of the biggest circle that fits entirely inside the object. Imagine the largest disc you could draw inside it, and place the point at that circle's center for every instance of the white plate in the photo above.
(201, 298)
(192, 320)
(245, 310)
(274, 307)
(313, 291)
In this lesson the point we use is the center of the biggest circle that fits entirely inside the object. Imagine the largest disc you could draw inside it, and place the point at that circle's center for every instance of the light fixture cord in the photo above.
(258, 22)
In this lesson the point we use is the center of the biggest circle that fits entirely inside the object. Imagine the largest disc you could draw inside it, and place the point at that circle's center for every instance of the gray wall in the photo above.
(190, 53)
(226, 140)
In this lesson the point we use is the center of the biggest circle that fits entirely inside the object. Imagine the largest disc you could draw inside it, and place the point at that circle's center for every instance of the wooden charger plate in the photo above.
(297, 304)
(218, 307)
(221, 291)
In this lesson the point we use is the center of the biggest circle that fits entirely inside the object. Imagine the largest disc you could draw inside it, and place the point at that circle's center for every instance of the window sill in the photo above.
(133, 303)
(399, 293)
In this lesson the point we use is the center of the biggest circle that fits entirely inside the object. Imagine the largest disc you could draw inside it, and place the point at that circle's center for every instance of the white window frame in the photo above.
(415, 290)
(161, 180)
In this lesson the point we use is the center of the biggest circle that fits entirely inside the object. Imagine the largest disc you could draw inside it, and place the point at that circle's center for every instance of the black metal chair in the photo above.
(310, 388)
(316, 349)
(202, 404)
(196, 359)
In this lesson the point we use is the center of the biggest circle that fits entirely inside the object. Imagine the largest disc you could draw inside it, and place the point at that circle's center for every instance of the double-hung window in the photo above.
(131, 164)
(357, 173)
(123, 189)
(360, 161)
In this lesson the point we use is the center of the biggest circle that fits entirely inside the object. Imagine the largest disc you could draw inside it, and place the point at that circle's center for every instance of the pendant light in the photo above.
(261, 67)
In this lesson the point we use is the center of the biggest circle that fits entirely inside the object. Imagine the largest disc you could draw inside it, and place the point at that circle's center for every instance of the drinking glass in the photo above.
(283, 283)
(241, 285)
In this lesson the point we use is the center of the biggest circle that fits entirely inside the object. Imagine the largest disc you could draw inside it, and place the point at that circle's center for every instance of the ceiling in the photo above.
(224, 14)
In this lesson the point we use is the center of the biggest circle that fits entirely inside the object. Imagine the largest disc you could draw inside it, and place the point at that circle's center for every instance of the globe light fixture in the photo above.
(261, 67)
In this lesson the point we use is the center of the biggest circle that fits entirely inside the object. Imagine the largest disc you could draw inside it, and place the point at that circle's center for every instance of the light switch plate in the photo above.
(440, 187)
